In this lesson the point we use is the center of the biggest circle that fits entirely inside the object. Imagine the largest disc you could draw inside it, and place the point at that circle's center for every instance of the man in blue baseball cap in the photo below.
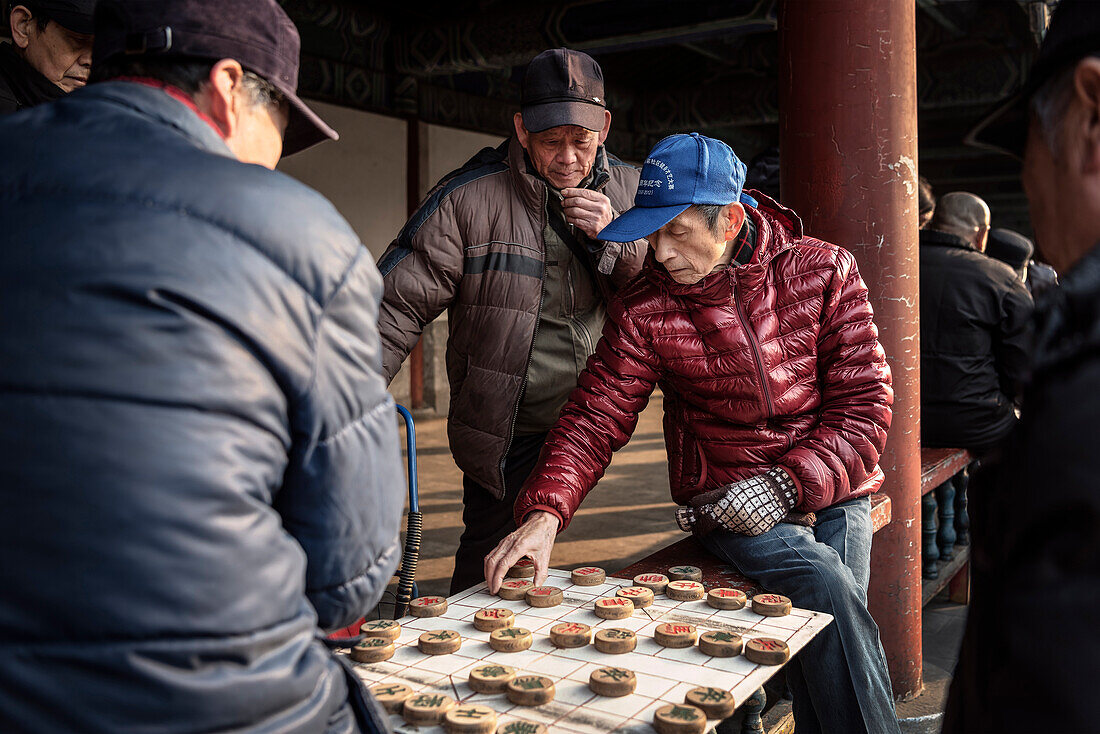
(777, 402)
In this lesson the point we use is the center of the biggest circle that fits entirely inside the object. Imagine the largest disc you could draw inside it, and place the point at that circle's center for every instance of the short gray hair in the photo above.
(1050, 102)
(712, 215)
(187, 75)
(960, 213)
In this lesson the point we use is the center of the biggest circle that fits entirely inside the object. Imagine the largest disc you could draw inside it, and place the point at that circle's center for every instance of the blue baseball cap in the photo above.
(681, 170)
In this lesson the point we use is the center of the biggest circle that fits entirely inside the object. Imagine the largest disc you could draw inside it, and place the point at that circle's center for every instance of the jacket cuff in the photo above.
(542, 508)
(797, 483)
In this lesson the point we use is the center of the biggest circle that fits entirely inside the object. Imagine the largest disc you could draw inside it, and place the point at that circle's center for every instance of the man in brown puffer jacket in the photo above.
(508, 245)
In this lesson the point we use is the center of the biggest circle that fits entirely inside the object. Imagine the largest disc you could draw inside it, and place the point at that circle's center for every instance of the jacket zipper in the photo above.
(530, 353)
(755, 346)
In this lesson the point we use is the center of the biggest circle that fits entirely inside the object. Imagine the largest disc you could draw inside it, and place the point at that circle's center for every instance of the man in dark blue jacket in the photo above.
(198, 459)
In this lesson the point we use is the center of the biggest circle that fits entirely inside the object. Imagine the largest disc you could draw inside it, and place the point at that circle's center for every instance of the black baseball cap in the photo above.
(257, 33)
(563, 87)
(76, 15)
(1074, 33)
(1011, 248)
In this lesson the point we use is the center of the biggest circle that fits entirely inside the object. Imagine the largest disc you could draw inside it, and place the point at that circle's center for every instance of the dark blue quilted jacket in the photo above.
(198, 457)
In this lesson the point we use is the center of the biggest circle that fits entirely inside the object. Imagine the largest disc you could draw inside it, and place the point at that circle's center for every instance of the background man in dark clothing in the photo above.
(974, 314)
(507, 244)
(1036, 525)
(1016, 251)
(198, 456)
(50, 53)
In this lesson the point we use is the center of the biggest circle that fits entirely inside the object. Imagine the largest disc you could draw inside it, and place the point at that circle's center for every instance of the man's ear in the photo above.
(606, 126)
(23, 26)
(221, 101)
(521, 131)
(736, 214)
(1086, 82)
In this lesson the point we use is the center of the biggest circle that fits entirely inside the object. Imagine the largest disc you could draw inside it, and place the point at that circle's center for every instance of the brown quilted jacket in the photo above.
(772, 363)
(475, 247)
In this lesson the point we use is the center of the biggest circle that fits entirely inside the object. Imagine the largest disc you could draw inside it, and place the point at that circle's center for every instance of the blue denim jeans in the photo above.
(839, 680)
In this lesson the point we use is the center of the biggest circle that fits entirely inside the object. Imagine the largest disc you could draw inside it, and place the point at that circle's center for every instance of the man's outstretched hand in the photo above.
(535, 538)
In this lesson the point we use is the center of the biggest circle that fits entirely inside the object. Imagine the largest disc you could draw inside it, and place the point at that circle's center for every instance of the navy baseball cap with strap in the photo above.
(681, 170)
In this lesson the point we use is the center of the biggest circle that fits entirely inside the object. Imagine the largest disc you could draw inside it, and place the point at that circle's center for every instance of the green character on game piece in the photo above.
(470, 714)
(521, 727)
(529, 683)
(387, 691)
(711, 694)
(616, 674)
(721, 637)
(441, 636)
(427, 701)
(491, 671)
(684, 714)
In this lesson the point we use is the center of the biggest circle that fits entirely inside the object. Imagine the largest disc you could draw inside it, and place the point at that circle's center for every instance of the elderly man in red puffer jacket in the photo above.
(777, 400)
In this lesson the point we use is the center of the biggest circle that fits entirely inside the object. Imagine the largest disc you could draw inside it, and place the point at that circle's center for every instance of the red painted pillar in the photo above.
(848, 144)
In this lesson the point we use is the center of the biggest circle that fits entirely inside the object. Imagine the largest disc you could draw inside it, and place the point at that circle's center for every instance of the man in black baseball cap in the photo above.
(50, 53)
(509, 243)
(1035, 518)
(199, 471)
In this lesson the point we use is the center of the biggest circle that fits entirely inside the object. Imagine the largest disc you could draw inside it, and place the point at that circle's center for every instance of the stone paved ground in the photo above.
(628, 515)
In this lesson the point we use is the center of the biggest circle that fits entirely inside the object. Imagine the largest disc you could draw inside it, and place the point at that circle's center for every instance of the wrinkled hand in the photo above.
(535, 538)
(590, 211)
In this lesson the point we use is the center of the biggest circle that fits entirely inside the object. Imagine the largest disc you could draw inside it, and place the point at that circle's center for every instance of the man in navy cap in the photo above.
(50, 53)
(509, 246)
(1035, 519)
(198, 458)
(777, 402)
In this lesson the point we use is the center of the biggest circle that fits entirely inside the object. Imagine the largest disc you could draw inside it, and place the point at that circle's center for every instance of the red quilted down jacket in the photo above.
(773, 363)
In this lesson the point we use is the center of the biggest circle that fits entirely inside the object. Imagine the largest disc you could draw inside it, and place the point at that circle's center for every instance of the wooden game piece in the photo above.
(613, 607)
(530, 690)
(372, 650)
(439, 642)
(511, 639)
(514, 589)
(639, 595)
(519, 726)
(720, 644)
(470, 718)
(715, 703)
(391, 695)
(612, 682)
(490, 678)
(685, 590)
(771, 605)
(428, 606)
(494, 618)
(425, 709)
(524, 569)
(570, 634)
(679, 719)
(616, 641)
(685, 573)
(727, 598)
(767, 651)
(387, 629)
(544, 596)
(655, 582)
(588, 576)
(674, 634)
